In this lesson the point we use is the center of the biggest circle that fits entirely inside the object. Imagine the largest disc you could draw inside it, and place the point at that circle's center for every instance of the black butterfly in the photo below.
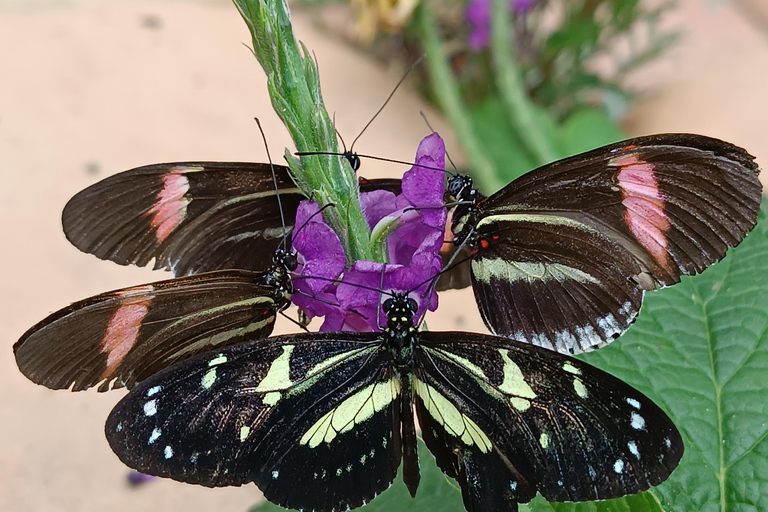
(121, 337)
(561, 256)
(189, 217)
(322, 421)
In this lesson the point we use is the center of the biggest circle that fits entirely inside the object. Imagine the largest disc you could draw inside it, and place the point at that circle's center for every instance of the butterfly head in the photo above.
(400, 329)
(285, 259)
(460, 187)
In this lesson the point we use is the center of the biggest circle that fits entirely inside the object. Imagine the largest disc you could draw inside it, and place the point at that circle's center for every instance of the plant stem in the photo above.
(294, 88)
(512, 90)
(447, 92)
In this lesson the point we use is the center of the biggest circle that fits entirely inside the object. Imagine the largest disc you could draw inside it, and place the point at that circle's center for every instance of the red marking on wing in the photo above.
(644, 205)
(484, 243)
(122, 332)
(171, 206)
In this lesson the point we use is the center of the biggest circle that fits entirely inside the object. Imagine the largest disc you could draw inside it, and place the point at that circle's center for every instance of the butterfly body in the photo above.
(322, 421)
(562, 256)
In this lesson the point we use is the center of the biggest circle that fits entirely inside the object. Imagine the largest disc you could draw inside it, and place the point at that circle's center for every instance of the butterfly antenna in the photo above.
(424, 117)
(413, 66)
(274, 181)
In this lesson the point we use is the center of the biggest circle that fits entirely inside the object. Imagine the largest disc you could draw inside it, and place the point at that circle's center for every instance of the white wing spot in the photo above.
(154, 390)
(168, 452)
(544, 441)
(209, 378)
(349, 468)
(275, 474)
(384, 442)
(119, 427)
(638, 422)
(150, 408)
(618, 466)
(667, 442)
(244, 432)
(633, 449)
(339, 472)
(363, 459)
(193, 458)
(513, 486)
(634, 403)
(219, 359)
(580, 388)
(567, 366)
(154, 436)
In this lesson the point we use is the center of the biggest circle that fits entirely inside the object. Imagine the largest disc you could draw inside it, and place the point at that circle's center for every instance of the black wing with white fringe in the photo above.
(563, 255)
(322, 421)
(124, 336)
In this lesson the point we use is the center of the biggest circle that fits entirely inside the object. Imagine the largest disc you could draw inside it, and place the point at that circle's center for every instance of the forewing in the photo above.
(541, 420)
(566, 251)
(312, 419)
(129, 334)
(188, 217)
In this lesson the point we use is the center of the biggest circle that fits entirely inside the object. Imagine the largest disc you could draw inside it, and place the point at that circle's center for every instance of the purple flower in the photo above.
(478, 15)
(416, 219)
(135, 478)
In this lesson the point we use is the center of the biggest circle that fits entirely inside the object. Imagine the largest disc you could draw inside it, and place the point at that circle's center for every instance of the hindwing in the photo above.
(129, 334)
(564, 253)
(312, 419)
(507, 420)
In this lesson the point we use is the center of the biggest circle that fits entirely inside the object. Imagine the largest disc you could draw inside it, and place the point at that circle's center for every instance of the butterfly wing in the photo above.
(312, 419)
(507, 420)
(188, 217)
(565, 252)
(129, 334)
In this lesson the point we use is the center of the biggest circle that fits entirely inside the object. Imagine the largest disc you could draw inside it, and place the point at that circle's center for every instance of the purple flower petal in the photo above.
(377, 204)
(320, 252)
(478, 16)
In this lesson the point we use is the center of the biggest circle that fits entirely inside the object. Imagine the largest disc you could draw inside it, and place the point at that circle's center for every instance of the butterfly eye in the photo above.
(413, 305)
(290, 262)
(354, 160)
(387, 305)
(455, 184)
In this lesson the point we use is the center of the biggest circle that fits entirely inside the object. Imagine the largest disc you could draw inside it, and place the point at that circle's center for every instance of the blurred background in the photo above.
(90, 88)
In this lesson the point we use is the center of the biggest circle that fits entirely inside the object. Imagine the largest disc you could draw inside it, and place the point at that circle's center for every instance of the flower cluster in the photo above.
(350, 298)
(478, 15)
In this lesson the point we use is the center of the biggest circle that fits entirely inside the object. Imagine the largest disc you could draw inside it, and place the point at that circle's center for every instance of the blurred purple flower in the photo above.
(353, 302)
(478, 15)
(135, 478)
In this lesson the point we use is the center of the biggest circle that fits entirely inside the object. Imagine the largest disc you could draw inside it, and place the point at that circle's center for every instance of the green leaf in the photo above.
(643, 502)
(588, 129)
(700, 351)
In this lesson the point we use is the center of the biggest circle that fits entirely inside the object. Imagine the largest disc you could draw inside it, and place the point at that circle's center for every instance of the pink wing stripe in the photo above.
(644, 205)
(171, 207)
(122, 332)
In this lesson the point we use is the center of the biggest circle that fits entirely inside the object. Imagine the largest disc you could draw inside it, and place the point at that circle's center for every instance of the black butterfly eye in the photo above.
(290, 261)
(413, 305)
(455, 184)
(388, 305)
(353, 159)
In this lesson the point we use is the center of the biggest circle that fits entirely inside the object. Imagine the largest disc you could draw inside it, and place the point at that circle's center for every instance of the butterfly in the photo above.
(189, 217)
(322, 421)
(562, 256)
(123, 336)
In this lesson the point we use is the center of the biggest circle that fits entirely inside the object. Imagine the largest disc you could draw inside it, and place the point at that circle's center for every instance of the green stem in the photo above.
(449, 96)
(294, 88)
(514, 96)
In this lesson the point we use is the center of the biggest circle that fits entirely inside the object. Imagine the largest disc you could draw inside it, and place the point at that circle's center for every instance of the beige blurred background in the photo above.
(90, 88)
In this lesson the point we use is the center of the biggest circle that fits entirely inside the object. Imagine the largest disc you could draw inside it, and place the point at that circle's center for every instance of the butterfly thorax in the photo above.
(400, 331)
(467, 198)
(278, 276)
